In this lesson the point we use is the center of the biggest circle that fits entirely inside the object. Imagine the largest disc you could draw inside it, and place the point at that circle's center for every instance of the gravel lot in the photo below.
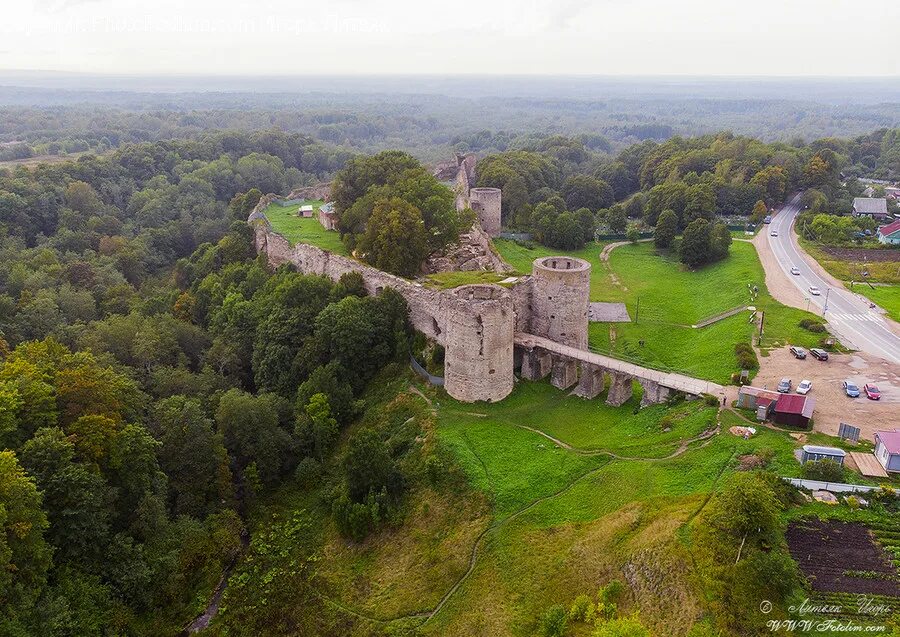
(832, 405)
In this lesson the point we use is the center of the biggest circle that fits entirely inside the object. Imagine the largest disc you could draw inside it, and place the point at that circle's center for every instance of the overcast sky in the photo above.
(605, 37)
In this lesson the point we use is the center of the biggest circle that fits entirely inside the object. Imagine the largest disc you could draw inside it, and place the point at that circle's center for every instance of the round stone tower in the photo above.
(478, 363)
(486, 204)
(560, 295)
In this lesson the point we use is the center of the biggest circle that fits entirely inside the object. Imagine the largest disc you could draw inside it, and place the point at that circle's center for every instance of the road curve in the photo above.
(849, 317)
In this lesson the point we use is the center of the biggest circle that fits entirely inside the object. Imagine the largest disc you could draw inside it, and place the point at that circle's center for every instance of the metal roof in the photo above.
(890, 440)
(889, 229)
(824, 451)
(870, 205)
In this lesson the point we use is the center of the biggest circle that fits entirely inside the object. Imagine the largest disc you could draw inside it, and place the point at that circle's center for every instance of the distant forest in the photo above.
(433, 119)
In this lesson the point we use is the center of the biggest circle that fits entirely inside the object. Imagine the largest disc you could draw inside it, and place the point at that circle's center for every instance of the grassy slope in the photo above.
(296, 229)
(671, 299)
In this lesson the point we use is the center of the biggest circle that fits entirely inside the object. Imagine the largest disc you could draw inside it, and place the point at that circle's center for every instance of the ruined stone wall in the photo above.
(486, 202)
(560, 293)
(478, 364)
(426, 311)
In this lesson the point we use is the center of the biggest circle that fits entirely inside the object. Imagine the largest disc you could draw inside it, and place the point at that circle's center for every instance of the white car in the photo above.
(774, 233)
(815, 291)
(795, 271)
(804, 387)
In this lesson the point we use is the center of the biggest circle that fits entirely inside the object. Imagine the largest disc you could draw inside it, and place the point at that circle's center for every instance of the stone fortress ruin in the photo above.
(538, 325)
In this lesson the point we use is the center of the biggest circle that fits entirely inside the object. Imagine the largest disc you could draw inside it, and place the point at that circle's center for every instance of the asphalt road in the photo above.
(849, 317)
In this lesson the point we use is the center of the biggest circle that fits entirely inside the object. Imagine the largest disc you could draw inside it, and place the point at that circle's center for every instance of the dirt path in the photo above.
(709, 433)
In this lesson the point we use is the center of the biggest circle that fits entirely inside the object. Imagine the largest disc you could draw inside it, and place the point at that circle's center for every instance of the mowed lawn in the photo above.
(666, 298)
(297, 229)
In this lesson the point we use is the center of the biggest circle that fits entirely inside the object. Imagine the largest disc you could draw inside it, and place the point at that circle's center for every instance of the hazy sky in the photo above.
(606, 37)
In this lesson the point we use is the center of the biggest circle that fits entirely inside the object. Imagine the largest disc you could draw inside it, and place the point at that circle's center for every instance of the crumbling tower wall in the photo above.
(478, 363)
(560, 295)
(486, 202)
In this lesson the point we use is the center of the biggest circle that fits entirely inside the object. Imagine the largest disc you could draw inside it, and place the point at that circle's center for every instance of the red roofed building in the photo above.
(889, 234)
(794, 410)
(887, 449)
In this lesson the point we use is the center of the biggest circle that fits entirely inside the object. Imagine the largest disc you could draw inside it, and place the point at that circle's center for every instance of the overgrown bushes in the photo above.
(824, 470)
(746, 356)
(812, 325)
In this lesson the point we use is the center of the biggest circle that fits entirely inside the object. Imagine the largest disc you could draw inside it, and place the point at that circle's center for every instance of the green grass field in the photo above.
(296, 229)
(886, 296)
(666, 299)
(448, 280)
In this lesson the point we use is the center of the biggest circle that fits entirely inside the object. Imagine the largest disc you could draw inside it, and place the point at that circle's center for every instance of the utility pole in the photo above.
(637, 312)
(762, 319)
(825, 309)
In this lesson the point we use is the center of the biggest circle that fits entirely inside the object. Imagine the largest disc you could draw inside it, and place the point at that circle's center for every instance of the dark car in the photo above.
(872, 392)
(798, 352)
(819, 354)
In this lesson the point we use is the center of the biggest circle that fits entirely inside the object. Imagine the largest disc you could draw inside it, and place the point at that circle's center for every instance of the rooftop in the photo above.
(890, 440)
(795, 404)
(825, 451)
(890, 228)
(870, 205)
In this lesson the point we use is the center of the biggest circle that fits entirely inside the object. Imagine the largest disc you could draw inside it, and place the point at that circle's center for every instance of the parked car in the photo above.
(804, 387)
(815, 291)
(784, 386)
(819, 354)
(795, 271)
(850, 388)
(768, 219)
(798, 352)
(774, 233)
(872, 392)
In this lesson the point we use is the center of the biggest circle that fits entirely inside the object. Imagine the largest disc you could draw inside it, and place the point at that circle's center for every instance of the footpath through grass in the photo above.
(297, 229)
(666, 298)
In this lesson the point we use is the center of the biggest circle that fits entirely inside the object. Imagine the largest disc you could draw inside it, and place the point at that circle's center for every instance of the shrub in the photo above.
(308, 471)
(357, 519)
(713, 401)
(580, 609)
(746, 356)
(553, 623)
(812, 325)
(824, 470)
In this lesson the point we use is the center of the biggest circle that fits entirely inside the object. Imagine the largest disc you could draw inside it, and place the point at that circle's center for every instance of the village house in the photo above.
(327, 216)
(889, 234)
(887, 449)
(305, 211)
(874, 207)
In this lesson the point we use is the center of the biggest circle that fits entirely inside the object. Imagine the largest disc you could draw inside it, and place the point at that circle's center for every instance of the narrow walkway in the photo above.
(671, 380)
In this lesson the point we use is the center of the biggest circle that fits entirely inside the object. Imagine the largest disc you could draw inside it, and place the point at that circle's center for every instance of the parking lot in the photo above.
(833, 406)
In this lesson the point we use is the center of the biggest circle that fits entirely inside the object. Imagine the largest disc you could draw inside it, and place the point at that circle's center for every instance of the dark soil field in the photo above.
(861, 255)
(827, 551)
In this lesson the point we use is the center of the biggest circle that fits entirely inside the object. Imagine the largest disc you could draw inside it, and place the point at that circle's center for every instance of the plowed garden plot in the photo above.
(842, 557)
